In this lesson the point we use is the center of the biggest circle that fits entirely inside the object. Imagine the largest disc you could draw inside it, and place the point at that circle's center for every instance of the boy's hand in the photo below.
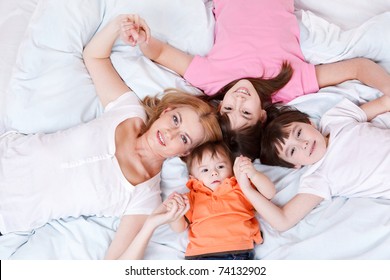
(247, 167)
(134, 30)
(241, 176)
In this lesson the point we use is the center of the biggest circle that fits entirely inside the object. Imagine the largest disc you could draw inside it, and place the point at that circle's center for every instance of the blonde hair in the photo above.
(174, 98)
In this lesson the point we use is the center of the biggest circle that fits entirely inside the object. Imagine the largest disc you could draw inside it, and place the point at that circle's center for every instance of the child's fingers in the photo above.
(145, 27)
(136, 20)
(179, 199)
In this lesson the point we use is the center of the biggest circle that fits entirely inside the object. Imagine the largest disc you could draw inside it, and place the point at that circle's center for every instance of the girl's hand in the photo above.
(134, 30)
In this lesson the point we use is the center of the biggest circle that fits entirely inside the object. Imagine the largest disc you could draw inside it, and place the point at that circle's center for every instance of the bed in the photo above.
(44, 86)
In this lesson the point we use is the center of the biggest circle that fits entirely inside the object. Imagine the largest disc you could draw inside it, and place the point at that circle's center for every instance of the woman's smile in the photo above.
(160, 138)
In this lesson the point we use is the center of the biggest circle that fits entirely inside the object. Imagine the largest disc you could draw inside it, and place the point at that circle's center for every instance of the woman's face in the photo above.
(176, 132)
(242, 105)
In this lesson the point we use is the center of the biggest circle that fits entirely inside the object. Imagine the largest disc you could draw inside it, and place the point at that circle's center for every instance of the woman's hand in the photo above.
(170, 210)
(134, 29)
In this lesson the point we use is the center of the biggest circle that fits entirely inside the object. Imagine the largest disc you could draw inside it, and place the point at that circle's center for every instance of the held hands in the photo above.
(243, 170)
(173, 208)
(246, 174)
(134, 30)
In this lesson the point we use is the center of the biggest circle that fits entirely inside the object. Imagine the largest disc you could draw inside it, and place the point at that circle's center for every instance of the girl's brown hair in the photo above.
(246, 141)
(174, 98)
(265, 87)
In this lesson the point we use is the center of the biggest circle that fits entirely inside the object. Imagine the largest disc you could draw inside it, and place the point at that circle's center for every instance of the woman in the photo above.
(107, 167)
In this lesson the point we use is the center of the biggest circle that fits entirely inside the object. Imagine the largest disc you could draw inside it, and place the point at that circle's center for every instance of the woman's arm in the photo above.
(366, 71)
(109, 85)
(130, 246)
(128, 229)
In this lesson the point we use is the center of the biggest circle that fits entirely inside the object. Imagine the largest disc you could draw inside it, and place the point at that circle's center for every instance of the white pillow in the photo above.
(345, 13)
(50, 88)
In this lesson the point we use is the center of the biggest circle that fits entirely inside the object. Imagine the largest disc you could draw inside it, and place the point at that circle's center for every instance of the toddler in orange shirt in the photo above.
(221, 220)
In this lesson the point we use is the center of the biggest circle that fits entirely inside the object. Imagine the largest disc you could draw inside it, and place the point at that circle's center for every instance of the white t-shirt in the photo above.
(71, 173)
(357, 161)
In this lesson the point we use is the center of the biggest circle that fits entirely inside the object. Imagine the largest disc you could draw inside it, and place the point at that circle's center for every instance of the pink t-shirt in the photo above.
(252, 38)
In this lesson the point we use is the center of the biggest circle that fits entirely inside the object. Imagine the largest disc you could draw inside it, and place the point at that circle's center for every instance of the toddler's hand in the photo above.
(241, 176)
(246, 166)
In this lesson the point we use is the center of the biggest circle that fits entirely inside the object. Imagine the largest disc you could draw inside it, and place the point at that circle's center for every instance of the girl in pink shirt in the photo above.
(256, 60)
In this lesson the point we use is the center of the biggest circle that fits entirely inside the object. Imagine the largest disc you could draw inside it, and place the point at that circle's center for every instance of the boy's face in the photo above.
(304, 146)
(212, 170)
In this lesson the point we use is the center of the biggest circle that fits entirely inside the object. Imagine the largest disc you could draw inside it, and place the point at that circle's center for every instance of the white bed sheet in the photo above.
(43, 76)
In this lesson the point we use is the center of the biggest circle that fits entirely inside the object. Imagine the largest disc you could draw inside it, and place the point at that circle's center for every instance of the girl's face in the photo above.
(176, 132)
(242, 105)
(212, 170)
(304, 146)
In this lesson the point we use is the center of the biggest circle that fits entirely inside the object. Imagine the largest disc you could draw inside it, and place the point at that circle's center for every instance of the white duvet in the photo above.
(45, 87)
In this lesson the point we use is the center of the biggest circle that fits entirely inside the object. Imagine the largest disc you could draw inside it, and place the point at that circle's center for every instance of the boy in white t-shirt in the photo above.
(347, 156)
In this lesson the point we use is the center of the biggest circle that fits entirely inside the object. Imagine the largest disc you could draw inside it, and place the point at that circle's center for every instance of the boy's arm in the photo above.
(366, 71)
(376, 107)
(166, 55)
(263, 184)
(244, 170)
(282, 218)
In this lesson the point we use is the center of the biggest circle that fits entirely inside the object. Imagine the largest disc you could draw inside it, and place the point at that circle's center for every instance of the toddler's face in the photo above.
(212, 170)
(304, 146)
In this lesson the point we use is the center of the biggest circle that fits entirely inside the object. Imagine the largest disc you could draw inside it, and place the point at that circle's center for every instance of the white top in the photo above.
(71, 173)
(357, 161)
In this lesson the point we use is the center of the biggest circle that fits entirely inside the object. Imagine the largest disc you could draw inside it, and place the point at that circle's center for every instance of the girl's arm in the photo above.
(244, 170)
(366, 71)
(109, 85)
(376, 107)
(166, 55)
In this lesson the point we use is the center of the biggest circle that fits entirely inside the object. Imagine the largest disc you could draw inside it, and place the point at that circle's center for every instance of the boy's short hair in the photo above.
(215, 147)
(275, 133)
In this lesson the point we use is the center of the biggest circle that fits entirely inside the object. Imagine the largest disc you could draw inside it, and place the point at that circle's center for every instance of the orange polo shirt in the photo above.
(220, 221)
